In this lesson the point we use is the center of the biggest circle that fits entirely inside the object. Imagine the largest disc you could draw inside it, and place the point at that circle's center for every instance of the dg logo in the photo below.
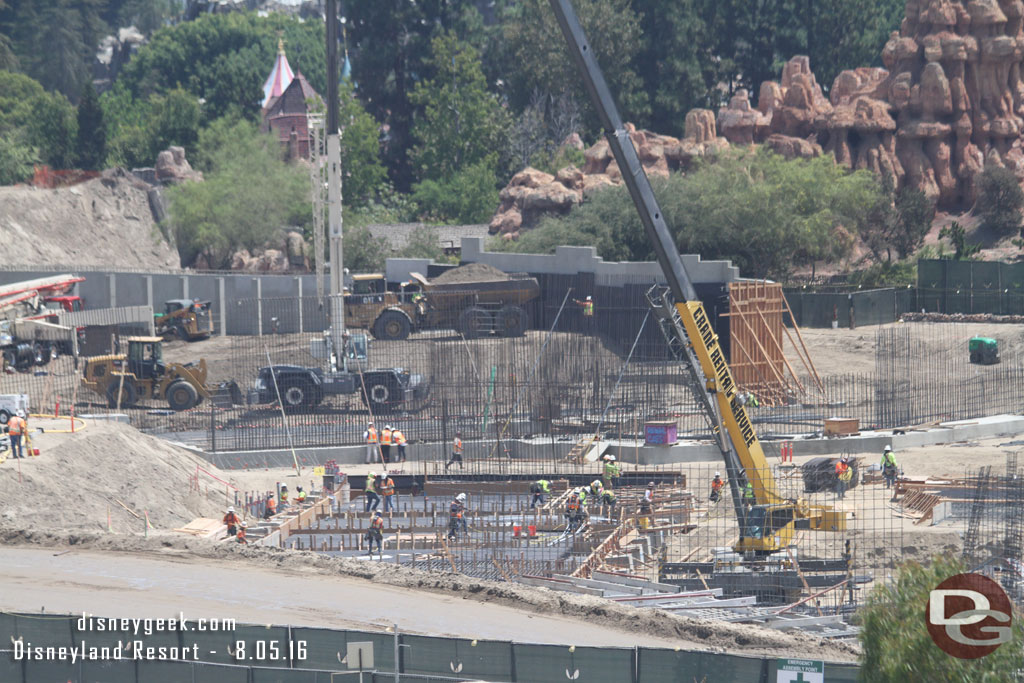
(969, 616)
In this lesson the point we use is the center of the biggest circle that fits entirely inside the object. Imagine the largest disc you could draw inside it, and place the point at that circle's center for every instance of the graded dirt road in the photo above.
(123, 585)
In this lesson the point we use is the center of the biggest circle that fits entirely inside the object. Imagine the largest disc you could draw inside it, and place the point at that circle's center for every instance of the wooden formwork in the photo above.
(757, 334)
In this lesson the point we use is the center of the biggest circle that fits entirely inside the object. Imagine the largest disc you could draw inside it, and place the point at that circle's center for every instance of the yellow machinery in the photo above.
(770, 523)
(141, 374)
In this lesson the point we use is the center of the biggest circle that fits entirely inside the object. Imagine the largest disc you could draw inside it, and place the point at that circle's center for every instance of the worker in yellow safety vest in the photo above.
(370, 437)
(611, 471)
(372, 499)
(456, 451)
(843, 476)
(385, 444)
(375, 534)
(300, 496)
(399, 438)
(283, 495)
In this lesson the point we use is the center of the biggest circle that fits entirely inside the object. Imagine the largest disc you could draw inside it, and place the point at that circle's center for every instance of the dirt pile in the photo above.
(472, 272)
(961, 318)
(104, 222)
(79, 477)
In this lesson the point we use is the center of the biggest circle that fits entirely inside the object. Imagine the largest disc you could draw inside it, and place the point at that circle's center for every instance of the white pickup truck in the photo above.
(10, 404)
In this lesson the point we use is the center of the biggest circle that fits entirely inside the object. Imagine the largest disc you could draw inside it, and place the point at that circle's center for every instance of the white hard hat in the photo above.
(590, 298)
(244, 524)
(650, 484)
(231, 509)
(718, 474)
(461, 496)
(888, 448)
(387, 426)
(596, 482)
(611, 458)
(21, 413)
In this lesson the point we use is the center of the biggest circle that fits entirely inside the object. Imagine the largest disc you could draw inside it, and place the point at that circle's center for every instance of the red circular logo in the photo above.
(969, 616)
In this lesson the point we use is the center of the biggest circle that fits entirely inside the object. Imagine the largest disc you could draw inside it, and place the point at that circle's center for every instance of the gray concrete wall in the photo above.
(867, 443)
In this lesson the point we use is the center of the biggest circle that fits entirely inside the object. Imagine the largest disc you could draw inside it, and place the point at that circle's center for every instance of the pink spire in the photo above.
(280, 77)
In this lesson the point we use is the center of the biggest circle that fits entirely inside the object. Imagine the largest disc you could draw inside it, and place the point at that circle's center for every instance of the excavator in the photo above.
(768, 525)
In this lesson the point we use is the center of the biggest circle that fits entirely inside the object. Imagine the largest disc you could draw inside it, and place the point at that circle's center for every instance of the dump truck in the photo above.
(301, 389)
(187, 319)
(29, 331)
(141, 374)
(480, 303)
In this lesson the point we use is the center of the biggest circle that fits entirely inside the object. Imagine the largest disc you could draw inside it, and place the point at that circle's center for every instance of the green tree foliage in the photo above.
(363, 252)
(224, 59)
(1000, 201)
(462, 123)
(91, 144)
(540, 60)
(470, 196)
(898, 222)
(895, 640)
(360, 150)
(423, 244)
(957, 236)
(55, 40)
(17, 93)
(766, 214)
(248, 193)
(53, 129)
(17, 158)
(147, 15)
(138, 131)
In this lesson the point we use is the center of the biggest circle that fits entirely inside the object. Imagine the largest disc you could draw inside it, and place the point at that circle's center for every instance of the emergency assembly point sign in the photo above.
(969, 616)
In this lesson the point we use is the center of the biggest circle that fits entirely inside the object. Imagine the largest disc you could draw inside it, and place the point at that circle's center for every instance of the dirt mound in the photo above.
(79, 477)
(104, 222)
(471, 272)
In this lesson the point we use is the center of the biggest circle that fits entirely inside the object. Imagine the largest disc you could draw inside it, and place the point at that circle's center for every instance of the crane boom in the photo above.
(770, 524)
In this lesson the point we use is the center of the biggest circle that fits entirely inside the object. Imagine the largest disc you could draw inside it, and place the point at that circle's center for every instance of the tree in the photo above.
(17, 159)
(17, 94)
(1000, 201)
(898, 221)
(364, 253)
(962, 249)
(224, 59)
(766, 214)
(422, 244)
(542, 62)
(470, 196)
(91, 145)
(147, 15)
(53, 129)
(173, 120)
(360, 150)
(462, 123)
(248, 194)
(895, 642)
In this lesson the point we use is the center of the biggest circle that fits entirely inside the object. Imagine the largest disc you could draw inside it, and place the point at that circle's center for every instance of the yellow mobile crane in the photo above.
(769, 525)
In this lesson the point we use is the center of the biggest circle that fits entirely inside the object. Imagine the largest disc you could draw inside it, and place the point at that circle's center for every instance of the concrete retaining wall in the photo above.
(870, 443)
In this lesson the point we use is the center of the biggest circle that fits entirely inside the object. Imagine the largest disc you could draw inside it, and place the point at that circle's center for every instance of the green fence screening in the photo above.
(422, 659)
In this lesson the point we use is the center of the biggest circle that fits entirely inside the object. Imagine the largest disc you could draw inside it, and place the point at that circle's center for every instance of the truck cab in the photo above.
(69, 303)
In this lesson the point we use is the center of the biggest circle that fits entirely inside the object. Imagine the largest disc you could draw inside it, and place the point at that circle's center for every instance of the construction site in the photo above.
(520, 468)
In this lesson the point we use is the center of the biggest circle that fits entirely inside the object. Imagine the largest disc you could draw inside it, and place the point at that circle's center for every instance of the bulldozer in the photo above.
(142, 375)
(187, 319)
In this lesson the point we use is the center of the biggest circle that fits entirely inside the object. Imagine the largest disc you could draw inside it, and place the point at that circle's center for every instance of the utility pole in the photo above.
(337, 309)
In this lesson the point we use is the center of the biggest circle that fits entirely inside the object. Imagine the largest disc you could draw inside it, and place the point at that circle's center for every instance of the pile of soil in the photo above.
(471, 272)
(104, 222)
(79, 477)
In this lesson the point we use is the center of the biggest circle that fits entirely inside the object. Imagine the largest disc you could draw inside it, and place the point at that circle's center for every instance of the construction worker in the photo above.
(376, 533)
(456, 516)
(231, 520)
(716, 488)
(16, 429)
(647, 504)
(581, 493)
(587, 305)
(596, 490)
(387, 490)
(538, 489)
(456, 451)
(608, 498)
(271, 507)
(283, 494)
(611, 471)
(843, 476)
(889, 467)
(574, 513)
(240, 536)
(749, 498)
(385, 444)
(399, 438)
(370, 437)
(300, 496)
(372, 499)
